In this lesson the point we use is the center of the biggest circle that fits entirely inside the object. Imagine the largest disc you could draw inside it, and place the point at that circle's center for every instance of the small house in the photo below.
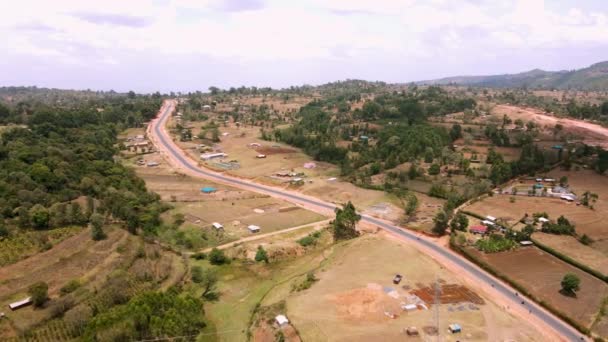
(208, 190)
(490, 218)
(487, 223)
(253, 228)
(411, 331)
(281, 320)
(206, 107)
(568, 198)
(20, 304)
(261, 156)
(409, 307)
(543, 220)
(152, 164)
(550, 180)
(478, 229)
(455, 328)
(209, 156)
(526, 243)
(217, 226)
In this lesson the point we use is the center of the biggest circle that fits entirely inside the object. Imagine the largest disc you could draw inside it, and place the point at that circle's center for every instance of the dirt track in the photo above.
(593, 134)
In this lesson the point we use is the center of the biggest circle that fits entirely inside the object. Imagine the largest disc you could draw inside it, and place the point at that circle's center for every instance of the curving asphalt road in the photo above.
(562, 328)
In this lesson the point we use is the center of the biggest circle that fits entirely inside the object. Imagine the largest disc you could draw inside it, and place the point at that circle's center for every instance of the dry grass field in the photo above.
(541, 274)
(235, 209)
(570, 246)
(350, 299)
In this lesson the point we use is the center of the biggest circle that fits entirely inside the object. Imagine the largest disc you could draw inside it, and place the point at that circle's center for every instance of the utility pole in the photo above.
(437, 303)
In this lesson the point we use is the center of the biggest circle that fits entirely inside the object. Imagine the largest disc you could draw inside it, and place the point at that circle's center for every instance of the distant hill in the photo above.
(594, 77)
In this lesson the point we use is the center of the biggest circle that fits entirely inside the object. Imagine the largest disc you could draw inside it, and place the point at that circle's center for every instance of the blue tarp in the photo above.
(208, 189)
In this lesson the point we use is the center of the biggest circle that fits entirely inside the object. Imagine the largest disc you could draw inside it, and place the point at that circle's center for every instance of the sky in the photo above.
(188, 45)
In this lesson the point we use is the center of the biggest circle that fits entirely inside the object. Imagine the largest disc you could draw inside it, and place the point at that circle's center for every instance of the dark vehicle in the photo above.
(397, 279)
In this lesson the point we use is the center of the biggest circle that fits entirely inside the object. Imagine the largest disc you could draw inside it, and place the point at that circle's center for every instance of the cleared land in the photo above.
(592, 134)
(541, 274)
(234, 209)
(355, 290)
(573, 248)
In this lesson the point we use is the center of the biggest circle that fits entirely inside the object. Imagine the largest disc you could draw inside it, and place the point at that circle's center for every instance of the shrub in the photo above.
(261, 255)
(307, 241)
(570, 283)
(70, 287)
(217, 257)
(495, 243)
(39, 293)
(199, 256)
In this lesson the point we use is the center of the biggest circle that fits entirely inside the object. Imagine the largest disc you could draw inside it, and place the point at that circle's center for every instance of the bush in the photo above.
(217, 257)
(39, 292)
(307, 241)
(307, 283)
(495, 243)
(70, 287)
(570, 283)
(199, 256)
(261, 255)
(585, 240)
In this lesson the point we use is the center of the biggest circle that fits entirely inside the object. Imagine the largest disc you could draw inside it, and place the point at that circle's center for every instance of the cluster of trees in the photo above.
(561, 227)
(150, 315)
(66, 154)
(345, 224)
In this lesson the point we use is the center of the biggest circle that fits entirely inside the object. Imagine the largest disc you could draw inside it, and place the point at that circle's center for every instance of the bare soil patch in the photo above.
(591, 133)
(354, 298)
(448, 294)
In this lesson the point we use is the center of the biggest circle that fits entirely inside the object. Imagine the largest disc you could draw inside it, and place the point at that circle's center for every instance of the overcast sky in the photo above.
(184, 45)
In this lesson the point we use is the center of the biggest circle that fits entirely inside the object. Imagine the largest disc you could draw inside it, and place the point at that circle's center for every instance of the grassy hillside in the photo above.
(594, 77)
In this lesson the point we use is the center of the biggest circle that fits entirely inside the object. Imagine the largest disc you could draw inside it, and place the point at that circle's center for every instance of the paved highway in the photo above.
(562, 328)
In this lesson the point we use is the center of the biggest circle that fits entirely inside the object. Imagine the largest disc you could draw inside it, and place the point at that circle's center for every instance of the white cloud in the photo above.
(252, 31)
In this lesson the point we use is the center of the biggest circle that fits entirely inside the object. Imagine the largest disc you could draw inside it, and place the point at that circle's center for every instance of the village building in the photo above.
(210, 156)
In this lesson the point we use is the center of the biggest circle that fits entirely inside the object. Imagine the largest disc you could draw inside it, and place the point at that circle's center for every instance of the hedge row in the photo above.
(518, 287)
(470, 213)
(570, 261)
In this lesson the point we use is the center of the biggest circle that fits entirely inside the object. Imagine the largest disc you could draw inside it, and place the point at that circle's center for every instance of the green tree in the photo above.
(207, 279)
(3, 230)
(40, 217)
(217, 257)
(412, 204)
(459, 222)
(434, 169)
(97, 232)
(440, 223)
(76, 215)
(456, 132)
(39, 292)
(570, 283)
(261, 255)
(215, 135)
(344, 225)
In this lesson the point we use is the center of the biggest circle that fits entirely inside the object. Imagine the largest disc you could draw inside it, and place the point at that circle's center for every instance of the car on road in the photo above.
(397, 279)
